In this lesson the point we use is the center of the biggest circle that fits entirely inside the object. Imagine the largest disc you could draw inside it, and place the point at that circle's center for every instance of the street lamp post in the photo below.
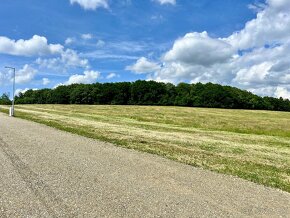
(13, 97)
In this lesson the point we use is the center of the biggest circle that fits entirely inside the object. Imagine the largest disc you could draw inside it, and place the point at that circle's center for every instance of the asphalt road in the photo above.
(49, 173)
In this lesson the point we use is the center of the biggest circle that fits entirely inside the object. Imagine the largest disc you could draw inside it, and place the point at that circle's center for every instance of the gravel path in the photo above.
(49, 173)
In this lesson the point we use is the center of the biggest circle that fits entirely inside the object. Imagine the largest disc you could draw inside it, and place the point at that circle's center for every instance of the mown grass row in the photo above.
(254, 145)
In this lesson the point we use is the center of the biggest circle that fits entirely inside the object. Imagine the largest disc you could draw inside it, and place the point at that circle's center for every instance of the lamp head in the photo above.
(10, 68)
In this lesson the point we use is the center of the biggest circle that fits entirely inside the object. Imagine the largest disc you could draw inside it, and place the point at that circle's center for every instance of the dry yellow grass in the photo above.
(254, 145)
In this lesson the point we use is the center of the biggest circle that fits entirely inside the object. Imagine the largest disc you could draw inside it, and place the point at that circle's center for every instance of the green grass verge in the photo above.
(254, 145)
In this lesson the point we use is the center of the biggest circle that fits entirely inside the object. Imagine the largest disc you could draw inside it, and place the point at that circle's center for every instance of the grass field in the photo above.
(254, 145)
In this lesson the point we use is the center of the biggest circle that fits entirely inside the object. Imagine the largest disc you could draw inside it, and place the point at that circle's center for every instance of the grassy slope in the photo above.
(254, 145)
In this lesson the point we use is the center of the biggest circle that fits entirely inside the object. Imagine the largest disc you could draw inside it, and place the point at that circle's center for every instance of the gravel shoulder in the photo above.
(50, 173)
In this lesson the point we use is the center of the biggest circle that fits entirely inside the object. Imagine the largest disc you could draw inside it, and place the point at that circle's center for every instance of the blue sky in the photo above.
(84, 41)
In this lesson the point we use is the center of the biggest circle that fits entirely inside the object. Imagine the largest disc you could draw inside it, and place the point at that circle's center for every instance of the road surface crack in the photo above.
(53, 204)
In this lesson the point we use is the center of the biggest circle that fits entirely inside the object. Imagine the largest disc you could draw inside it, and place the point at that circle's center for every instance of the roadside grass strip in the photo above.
(254, 145)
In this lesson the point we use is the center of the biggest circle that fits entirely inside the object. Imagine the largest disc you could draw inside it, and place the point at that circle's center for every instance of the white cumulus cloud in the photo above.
(86, 78)
(254, 74)
(45, 81)
(25, 75)
(143, 65)
(91, 4)
(69, 40)
(67, 59)
(36, 46)
(282, 92)
(272, 26)
(162, 2)
(87, 36)
(112, 75)
(199, 49)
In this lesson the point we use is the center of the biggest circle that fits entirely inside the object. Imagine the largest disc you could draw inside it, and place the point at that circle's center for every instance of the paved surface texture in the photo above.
(49, 173)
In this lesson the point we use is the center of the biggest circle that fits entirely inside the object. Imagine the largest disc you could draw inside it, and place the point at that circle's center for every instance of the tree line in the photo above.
(154, 93)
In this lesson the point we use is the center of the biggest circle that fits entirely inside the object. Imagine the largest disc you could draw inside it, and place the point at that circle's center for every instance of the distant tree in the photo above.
(183, 97)
(170, 94)
(61, 94)
(82, 94)
(121, 93)
(147, 93)
(4, 99)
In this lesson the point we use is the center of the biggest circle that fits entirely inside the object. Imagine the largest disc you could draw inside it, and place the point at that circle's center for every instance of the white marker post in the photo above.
(11, 112)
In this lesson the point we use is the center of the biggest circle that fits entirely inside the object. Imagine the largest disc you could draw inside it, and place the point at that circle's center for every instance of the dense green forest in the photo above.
(154, 93)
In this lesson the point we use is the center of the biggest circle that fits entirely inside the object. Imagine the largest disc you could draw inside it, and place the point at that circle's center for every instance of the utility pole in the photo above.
(11, 111)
